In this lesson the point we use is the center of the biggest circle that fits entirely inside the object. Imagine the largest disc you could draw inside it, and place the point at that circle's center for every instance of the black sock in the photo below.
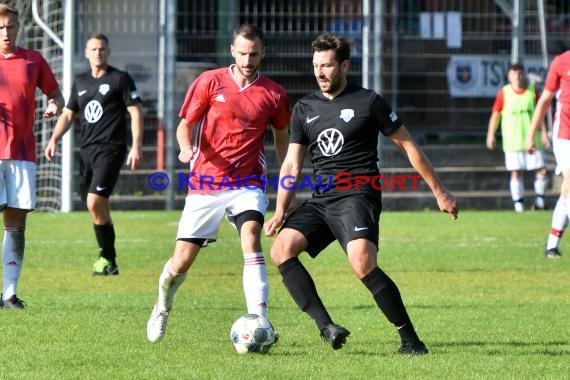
(389, 300)
(105, 234)
(302, 288)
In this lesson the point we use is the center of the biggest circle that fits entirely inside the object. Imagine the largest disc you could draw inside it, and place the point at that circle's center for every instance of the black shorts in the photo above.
(99, 168)
(323, 221)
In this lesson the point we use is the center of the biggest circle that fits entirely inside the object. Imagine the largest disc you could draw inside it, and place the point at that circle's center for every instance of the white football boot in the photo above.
(156, 325)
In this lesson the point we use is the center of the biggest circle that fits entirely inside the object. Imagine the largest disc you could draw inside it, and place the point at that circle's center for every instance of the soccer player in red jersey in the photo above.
(21, 72)
(225, 115)
(557, 84)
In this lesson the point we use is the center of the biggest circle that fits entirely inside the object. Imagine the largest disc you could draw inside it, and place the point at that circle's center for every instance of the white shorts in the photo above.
(524, 160)
(561, 148)
(203, 213)
(17, 184)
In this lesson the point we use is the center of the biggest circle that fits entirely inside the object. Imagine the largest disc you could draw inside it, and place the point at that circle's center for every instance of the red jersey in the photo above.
(558, 80)
(20, 74)
(230, 124)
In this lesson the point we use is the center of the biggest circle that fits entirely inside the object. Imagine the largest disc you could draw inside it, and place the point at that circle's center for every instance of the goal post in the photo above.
(67, 78)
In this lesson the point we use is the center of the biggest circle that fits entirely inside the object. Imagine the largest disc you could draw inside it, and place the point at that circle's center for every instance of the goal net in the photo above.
(31, 36)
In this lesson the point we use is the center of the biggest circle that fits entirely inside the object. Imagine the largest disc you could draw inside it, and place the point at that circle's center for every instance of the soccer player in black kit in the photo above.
(102, 96)
(340, 126)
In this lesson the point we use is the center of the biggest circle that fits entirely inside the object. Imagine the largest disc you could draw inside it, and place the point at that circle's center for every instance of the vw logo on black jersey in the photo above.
(93, 111)
(330, 142)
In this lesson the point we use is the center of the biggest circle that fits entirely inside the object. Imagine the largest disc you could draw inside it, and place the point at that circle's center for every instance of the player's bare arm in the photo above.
(281, 141)
(55, 103)
(544, 136)
(137, 125)
(492, 130)
(445, 200)
(540, 110)
(64, 122)
(184, 138)
(290, 169)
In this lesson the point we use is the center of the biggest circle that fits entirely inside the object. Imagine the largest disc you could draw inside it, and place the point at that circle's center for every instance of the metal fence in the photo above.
(437, 62)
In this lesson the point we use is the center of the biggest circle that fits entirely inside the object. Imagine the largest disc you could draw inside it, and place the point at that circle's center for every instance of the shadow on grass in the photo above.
(556, 347)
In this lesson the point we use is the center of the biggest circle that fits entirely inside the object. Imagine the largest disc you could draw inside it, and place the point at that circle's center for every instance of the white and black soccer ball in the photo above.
(252, 333)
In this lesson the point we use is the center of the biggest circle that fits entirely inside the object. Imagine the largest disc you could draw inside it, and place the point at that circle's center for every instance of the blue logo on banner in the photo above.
(464, 75)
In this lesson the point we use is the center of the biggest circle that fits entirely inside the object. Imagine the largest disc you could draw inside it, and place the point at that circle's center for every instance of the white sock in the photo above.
(168, 284)
(12, 259)
(517, 189)
(255, 286)
(540, 183)
(559, 221)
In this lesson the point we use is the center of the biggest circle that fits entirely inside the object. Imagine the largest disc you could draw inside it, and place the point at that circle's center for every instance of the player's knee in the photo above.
(248, 221)
(362, 263)
(276, 252)
(281, 251)
(250, 230)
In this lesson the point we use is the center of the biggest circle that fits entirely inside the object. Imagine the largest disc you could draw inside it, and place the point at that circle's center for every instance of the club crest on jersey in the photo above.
(330, 142)
(104, 89)
(346, 114)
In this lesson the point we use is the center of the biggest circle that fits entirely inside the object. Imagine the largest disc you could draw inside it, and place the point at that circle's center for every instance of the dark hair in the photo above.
(98, 36)
(249, 32)
(329, 41)
(516, 67)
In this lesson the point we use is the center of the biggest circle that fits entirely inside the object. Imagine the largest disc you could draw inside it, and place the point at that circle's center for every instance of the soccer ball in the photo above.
(252, 333)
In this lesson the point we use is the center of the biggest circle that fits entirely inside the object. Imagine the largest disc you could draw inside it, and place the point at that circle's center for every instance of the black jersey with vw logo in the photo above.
(101, 104)
(342, 136)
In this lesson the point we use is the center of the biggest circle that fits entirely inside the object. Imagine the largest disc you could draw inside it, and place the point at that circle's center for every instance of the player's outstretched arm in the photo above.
(445, 200)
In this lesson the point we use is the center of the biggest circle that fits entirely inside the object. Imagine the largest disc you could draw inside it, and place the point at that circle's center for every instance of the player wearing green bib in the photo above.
(512, 111)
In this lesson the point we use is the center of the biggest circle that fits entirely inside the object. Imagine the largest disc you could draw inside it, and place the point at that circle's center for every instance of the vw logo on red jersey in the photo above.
(93, 111)
(330, 142)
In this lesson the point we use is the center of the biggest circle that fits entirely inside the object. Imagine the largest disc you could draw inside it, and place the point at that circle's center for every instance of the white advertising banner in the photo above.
(482, 75)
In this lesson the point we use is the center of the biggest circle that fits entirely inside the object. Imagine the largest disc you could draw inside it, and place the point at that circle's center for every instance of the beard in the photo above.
(247, 72)
(331, 86)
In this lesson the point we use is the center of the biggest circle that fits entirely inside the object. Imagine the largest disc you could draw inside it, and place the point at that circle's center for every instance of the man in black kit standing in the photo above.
(339, 125)
(102, 96)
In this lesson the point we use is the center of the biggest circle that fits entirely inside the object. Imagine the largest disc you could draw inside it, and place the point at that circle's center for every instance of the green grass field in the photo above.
(479, 290)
